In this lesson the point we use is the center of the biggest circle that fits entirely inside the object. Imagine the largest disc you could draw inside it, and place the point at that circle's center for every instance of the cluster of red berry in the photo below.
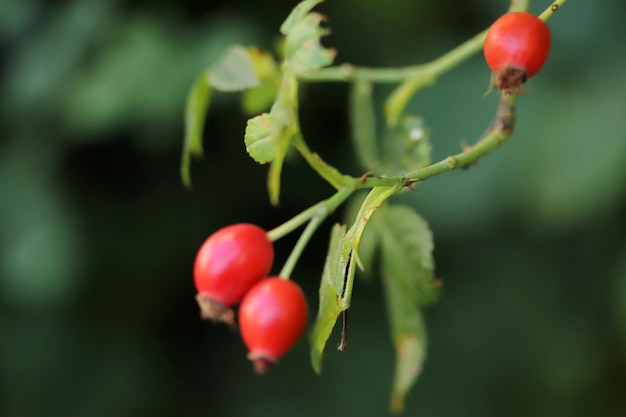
(231, 267)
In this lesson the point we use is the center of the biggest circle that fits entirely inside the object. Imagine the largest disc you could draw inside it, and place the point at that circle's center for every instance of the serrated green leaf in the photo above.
(196, 108)
(407, 247)
(297, 14)
(409, 340)
(331, 289)
(363, 125)
(406, 146)
(303, 51)
(407, 269)
(262, 137)
(234, 72)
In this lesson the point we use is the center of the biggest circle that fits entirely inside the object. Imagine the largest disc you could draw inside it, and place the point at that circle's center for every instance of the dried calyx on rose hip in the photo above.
(272, 318)
(516, 48)
(227, 265)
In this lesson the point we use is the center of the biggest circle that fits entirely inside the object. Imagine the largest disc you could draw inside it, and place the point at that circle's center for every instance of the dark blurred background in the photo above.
(98, 236)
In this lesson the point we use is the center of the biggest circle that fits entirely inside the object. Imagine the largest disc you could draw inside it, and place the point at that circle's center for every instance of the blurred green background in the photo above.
(98, 236)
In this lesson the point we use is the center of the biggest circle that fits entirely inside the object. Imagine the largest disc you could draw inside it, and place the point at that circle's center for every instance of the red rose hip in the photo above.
(272, 318)
(227, 265)
(516, 48)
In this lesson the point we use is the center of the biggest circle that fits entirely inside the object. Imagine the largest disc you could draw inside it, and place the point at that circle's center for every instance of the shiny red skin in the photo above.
(231, 261)
(518, 40)
(272, 318)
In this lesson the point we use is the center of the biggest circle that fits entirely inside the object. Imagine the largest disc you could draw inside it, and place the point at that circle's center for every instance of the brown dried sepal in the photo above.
(211, 309)
(262, 363)
(510, 79)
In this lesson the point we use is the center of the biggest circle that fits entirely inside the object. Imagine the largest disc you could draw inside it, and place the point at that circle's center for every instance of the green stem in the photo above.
(429, 71)
(373, 201)
(316, 214)
(547, 14)
(499, 131)
(329, 173)
(425, 72)
(292, 224)
(318, 217)
(496, 135)
(413, 78)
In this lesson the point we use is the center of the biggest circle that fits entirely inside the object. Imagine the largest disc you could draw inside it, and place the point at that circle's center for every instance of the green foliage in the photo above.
(363, 124)
(407, 270)
(197, 105)
(400, 156)
(331, 294)
(404, 238)
(91, 104)
(407, 246)
(406, 146)
(339, 271)
(262, 137)
(297, 14)
(303, 51)
(234, 72)
(268, 135)
(257, 99)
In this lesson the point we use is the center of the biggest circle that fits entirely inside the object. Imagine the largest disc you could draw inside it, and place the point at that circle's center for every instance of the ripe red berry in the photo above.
(228, 263)
(516, 47)
(272, 318)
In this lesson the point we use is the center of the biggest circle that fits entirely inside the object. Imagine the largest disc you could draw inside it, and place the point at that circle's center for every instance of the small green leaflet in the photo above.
(303, 51)
(409, 242)
(269, 135)
(262, 137)
(234, 72)
(407, 270)
(197, 105)
(298, 12)
(258, 99)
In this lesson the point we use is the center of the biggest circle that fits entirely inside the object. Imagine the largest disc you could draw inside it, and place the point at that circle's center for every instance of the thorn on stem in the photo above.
(364, 177)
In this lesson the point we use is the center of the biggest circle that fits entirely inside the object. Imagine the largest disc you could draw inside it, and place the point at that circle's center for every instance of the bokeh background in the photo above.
(98, 236)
